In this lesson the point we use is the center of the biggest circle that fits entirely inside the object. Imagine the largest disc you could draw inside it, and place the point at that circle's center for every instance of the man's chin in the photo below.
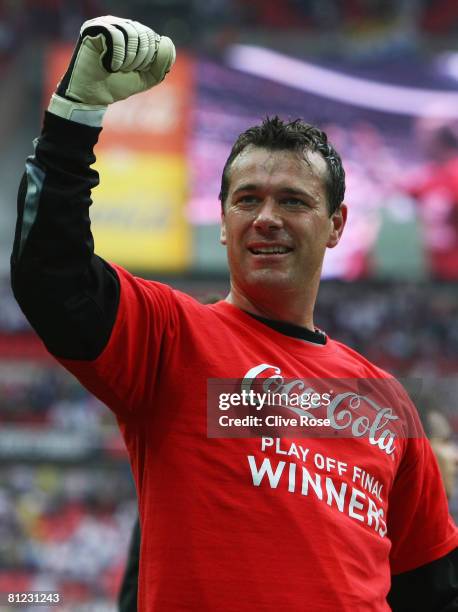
(268, 278)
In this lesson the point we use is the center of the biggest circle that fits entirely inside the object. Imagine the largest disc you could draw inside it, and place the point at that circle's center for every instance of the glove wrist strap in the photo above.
(77, 111)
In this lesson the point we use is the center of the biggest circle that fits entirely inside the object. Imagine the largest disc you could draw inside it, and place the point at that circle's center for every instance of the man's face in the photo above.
(276, 223)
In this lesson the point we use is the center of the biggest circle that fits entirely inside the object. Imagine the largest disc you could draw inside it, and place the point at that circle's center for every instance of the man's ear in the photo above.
(222, 234)
(338, 221)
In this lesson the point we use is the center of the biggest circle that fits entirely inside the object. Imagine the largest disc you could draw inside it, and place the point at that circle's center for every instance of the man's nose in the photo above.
(268, 216)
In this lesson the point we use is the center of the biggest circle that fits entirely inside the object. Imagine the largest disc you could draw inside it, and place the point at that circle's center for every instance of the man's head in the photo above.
(281, 194)
(302, 138)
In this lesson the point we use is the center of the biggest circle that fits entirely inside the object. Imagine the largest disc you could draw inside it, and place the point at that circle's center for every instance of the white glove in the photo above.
(113, 59)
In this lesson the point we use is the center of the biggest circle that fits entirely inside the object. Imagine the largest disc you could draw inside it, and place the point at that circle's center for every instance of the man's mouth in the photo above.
(270, 250)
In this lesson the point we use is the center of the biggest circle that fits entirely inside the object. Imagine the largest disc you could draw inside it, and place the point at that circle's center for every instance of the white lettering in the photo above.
(339, 498)
(315, 484)
(356, 504)
(265, 468)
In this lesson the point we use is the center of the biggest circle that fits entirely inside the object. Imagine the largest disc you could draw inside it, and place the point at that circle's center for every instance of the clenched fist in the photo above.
(113, 59)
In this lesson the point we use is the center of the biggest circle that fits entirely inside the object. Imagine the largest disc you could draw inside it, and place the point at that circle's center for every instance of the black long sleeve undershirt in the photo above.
(429, 588)
(70, 296)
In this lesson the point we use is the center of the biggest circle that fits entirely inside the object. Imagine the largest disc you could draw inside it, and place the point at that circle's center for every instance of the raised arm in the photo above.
(69, 294)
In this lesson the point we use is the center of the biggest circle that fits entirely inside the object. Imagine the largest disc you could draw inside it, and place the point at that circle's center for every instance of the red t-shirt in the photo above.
(233, 524)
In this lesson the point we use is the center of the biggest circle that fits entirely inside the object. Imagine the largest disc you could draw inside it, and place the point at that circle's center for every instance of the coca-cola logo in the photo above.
(355, 414)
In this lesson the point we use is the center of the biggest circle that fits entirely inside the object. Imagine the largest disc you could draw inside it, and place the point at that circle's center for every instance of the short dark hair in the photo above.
(277, 135)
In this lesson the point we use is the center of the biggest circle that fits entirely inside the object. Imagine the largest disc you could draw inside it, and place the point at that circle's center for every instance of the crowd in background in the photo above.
(65, 520)
(65, 529)
(405, 328)
(21, 19)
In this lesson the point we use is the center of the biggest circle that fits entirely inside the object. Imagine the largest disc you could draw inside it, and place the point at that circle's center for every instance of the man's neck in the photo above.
(280, 307)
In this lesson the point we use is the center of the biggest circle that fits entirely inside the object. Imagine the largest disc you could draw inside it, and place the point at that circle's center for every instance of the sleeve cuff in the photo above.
(78, 112)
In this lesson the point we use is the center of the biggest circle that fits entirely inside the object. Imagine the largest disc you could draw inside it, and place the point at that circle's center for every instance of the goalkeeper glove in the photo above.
(113, 59)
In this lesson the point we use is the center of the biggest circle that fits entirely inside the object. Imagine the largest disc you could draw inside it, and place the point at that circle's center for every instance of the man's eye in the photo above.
(292, 202)
(248, 199)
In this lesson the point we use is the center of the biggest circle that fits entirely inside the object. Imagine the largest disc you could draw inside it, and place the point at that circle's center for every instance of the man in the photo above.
(227, 524)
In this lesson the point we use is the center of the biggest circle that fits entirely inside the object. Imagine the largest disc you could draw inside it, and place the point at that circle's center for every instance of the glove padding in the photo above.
(113, 59)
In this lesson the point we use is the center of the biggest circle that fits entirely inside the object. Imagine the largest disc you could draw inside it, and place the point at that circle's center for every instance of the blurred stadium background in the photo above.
(381, 76)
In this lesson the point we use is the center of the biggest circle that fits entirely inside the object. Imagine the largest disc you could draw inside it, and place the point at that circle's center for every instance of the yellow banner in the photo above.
(138, 216)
